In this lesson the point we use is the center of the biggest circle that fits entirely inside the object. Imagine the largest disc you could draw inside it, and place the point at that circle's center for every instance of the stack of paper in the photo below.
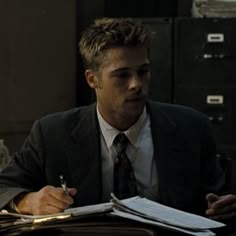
(147, 211)
(135, 209)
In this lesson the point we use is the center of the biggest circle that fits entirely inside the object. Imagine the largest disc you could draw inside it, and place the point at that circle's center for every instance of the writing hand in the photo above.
(48, 200)
(221, 207)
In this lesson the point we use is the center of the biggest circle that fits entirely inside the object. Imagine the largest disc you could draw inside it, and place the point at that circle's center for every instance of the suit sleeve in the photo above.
(213, 176)
(25, 172)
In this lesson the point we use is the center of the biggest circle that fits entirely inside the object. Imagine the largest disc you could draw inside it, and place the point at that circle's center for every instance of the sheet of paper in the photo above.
(76, 211)
(91, 209)
(155, 211)
(5, 213)
(162, 225)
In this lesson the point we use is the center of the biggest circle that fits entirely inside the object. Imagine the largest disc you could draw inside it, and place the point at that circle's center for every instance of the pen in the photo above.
(63, 183)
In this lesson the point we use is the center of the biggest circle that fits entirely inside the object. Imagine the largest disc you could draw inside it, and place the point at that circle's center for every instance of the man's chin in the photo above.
(136, 103)
(133, 108)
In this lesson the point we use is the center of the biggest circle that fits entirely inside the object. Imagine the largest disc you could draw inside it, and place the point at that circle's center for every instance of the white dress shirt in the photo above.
(139, 152)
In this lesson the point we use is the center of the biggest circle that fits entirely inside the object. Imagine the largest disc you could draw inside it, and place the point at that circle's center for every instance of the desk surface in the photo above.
(102, 226)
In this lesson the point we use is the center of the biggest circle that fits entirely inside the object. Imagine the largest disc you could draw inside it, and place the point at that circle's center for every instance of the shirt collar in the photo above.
(109, 132)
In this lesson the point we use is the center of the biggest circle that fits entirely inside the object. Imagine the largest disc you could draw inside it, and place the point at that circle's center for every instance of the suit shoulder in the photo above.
(66, 118)
(59, 116)
(177, 110)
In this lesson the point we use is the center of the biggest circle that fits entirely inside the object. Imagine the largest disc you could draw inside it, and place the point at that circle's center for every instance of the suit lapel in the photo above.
(163, 132)
(166, 149)
(83, 154)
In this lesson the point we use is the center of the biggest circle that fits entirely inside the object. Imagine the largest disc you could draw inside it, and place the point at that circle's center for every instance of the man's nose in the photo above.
(135, 82)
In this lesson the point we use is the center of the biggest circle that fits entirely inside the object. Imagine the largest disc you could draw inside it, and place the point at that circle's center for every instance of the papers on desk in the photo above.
(147, 211)
(162, 225)
(14, 223)
(135, 209)
(92, 209)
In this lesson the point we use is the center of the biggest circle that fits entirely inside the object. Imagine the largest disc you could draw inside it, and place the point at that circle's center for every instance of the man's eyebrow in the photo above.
(128, 68)
(145, 65)
(120, 70)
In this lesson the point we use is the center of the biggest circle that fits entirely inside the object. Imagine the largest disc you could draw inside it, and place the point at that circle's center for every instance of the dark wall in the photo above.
(140, 8)
(37, 63)
(87, 11)
(148, 8)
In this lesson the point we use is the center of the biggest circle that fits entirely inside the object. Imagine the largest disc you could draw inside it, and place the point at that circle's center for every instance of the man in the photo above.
(169, 146)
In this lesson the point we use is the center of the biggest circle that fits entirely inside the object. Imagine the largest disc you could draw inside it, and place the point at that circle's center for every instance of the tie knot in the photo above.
(121, 142)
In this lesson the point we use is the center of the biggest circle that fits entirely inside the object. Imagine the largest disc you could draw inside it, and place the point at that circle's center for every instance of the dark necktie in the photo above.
(124, 178)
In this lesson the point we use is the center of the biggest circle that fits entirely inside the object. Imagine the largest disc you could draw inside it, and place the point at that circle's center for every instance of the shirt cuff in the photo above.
(13, 206)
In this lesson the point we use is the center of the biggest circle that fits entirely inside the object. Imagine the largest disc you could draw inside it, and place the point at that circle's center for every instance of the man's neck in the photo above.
(121, 123)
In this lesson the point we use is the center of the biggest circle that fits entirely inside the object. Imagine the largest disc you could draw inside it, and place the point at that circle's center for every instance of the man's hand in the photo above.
(48, 200)
(221, 207)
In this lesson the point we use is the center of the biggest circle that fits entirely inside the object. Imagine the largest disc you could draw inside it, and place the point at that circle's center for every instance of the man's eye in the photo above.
(143, 72)
(123, 75)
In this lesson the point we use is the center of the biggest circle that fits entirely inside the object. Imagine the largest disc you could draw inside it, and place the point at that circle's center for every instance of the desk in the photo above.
(102, 225)
(110, 227)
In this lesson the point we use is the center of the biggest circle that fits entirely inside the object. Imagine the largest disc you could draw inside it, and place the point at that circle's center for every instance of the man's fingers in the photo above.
(227, 201)
(47, 200)
(59, 195)
(223, 217)
(53, 202)
(211, 198)
(222, 209)
(72, 191)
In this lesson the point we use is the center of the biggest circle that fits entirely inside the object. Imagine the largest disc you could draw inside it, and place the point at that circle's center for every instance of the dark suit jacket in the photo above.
(68, 143)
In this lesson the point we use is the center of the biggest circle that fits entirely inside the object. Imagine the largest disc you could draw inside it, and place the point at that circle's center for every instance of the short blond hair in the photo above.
(107, 33)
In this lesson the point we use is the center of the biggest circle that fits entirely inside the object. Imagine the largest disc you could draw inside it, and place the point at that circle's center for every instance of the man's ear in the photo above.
(91, 78)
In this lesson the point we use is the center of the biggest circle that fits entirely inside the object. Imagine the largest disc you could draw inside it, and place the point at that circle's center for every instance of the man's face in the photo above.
(122, 82)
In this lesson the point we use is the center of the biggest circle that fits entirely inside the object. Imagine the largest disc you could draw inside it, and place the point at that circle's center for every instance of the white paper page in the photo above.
(162, 225)
(60, 215)
(90, 209)
(76, 211)
(156, 211)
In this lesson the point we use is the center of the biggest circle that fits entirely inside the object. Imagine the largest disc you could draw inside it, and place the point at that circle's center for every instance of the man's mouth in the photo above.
(135, 99)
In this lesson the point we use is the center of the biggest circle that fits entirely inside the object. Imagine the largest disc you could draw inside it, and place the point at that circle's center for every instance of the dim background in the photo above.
(41, 71)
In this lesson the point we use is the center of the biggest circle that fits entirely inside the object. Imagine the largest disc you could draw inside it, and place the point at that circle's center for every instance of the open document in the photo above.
(155, 211)
(150, 212)
(136, 209)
